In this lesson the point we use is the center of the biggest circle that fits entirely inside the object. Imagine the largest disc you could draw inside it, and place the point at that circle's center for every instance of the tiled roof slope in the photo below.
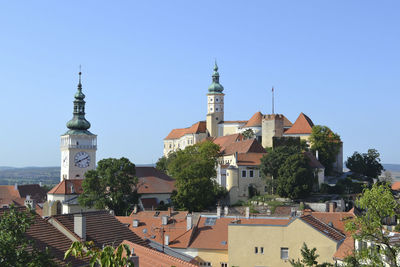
(152, 181)
(199, 127)
(34, 190)
(216, 236)
(303, 125)
(249, 159)
(150, 257)
(325, 229)
(64, 187)
(45, 235)
(9, 195)
(396, 186)
(150, 227)
(255, 120)
(233, 143)
(102, 228)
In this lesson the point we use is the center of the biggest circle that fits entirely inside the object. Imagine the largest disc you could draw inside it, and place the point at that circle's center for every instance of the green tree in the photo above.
(309, 258)
(327, 143)
(163, 162)
(274, 159)
(194, 169)
(111, 186)
(295, 177)
(15, 249)
(367, 164)
(248, 134)
(377, 204)
(106, 257)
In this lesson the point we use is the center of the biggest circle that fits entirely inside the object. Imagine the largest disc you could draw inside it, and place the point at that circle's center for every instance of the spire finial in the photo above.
(80, 74)
(215, 65)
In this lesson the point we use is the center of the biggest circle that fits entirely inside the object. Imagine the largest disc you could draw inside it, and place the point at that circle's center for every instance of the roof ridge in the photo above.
(324, 224)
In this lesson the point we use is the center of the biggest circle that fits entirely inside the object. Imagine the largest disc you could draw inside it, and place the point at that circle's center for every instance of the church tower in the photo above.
(215, 104)
(78, 145)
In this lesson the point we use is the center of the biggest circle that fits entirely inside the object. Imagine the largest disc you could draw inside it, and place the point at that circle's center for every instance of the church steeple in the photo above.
(215, 87)
(78, 124)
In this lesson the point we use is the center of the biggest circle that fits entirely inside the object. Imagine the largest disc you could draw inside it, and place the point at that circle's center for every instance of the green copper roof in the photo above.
(215, 87)
(78, 124)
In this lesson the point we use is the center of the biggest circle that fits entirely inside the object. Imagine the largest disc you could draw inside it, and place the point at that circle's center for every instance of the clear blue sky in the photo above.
(147, 66)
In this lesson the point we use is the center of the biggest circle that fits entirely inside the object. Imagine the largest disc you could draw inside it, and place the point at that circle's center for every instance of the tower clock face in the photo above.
(82, 159)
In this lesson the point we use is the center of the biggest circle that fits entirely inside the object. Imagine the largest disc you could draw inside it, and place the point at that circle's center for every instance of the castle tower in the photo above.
(78, 145)
(215, 104)
(272, 126)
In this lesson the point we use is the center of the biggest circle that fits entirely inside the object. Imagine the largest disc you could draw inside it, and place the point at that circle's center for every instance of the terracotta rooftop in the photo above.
(302, 125)
(325, 229)
(152, 181)
(150, 257)
(255, 120)
(396, 186)
(199, 127)
(233, 143)
(233, 122)
(150, 223)
(101, 227)
(45, 235)
(249, 159)
(65, 187)
(9, 195)
(215, 236)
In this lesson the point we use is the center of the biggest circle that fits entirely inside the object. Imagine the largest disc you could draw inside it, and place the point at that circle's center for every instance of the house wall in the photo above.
(160, 197)
(244, 238)
(171, 145)
(214, 256)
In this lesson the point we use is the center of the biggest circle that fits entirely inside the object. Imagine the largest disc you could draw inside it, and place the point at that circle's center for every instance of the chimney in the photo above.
(189, 222)
(226, 211)
(16, 186)
(332, 206)
(164, 220)
(218, 211)
(135, 209)
(316, 154)
(247, 212)
(135, 223)
(80, 225)
(166, 240)
(133, 258)
(40, 184)
(169, 211)
(30, 203)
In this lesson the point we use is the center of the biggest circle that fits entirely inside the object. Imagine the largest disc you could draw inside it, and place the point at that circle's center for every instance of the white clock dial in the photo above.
(82, 159)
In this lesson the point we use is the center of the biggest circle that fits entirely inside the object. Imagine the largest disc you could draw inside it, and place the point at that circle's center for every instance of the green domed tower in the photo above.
(78, 145)
(215, 104)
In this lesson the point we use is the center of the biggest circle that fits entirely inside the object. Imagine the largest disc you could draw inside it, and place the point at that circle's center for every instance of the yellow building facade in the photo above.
(273, 245)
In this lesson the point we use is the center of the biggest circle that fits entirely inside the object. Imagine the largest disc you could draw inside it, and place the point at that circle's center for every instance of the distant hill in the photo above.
(392, 167)
(29, 175)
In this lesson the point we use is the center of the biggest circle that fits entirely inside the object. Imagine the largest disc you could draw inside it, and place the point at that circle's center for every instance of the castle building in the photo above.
(238, 165)
(78, 155)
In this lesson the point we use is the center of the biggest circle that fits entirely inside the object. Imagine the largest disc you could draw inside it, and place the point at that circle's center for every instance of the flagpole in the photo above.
(273, 100)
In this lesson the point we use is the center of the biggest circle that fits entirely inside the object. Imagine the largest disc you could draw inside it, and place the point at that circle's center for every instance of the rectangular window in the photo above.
(251, 174)
(224, 264)
(255, 250)
(243, 173)
(262, 250)
(284, 253)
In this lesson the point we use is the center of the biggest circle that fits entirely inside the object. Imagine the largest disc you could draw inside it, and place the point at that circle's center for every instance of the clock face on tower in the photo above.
(82, 159)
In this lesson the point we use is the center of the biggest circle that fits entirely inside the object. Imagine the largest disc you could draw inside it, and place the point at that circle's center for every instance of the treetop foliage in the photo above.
(367, 164)
(111, 186)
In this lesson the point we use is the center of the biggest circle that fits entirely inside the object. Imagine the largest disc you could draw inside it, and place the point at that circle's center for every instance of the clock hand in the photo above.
(82, 159)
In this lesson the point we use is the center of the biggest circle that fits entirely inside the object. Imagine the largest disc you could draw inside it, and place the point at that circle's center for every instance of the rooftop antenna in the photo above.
(273, 104)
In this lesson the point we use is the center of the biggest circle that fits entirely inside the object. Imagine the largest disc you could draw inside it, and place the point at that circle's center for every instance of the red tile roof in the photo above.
(9, 195)
(199, 127)
(396, 186)
(150, 227)
(227, 122)
(255, 120)
(216, 236)
(152, 181)
(233, 143)
(45, 235)
(303, 125)
(325, 229)
(101, 227)
(249, 159)
(150, 257)
(64, 187)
